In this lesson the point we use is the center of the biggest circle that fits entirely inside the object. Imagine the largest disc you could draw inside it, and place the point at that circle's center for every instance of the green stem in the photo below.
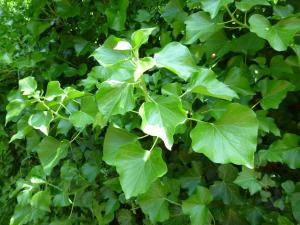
(144, 89)
(233, 19)
(156, 139)
(172, 202)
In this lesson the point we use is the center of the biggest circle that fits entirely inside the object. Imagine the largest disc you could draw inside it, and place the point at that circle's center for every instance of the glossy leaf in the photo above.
(213, 7)
(41, 121)
(231, 139)
(161, 117)
(27, 85)
(138, 168)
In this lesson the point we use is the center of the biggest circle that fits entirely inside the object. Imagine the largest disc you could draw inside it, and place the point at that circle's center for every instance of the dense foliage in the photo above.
(150, 112)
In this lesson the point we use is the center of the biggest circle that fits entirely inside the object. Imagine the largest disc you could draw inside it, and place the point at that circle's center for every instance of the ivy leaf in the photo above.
(50, 152)
(14, 108)
(213, 7)
(205, 82)
(27, 85)
(231, 139)
(116, 14)
(141, 37)
(280, 35)
(154, 203)
(273, 92)
(107, 55)
(114, 139)
(285, 151)
(247, 179)
(115, 97)
(200, 26)
(81, 119)
(41, 121)
(138, 168)
(41, 200)
(246, 5)
(176, 58)
(53, 90)
(267, 124)
(227, 192)
(295, 202)
(161, 117)
(196, 206)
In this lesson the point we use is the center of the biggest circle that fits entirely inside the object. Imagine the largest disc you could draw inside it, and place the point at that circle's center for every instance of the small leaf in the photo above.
(205, 82)
(200, 26)
(138, 168)
(246, 5)
(295, 202)
(115, 97)
(267, 124)
(141, 37)
(27, 85)
(114, 139)
(227, 192)
(273, 92)
(176, 58)
(213, 7)
(53, 90)
(41, 121)
(231, 139)
(41, 200)
(279, 36)
(248, 179)
(160, 118)
(154, 203)
(81, 119)
(107, 55)
(14, 108)
(196, 206)
(50, 152)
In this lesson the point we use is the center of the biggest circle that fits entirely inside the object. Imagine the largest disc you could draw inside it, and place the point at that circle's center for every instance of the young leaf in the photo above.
(160, 118)
(50, 152)
(53, 90)
(41, 121)
(107, 55)
(246, 5)
(113, 141)
(196, 206)
(154, 203)
(27, 85)
(115, 97)
(213, 7)
(41, 200)
(176, 58)
(279, 36)
(138, 168)
(204, 82)
(267, 124)
(81, 119)
(248, 179)
(141, 36)
(200, 26)
(14, 108)
(231, 139)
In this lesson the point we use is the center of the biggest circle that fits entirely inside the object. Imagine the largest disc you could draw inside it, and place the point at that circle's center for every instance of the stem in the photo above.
(144, 89)
(172, 202)
(143, 136)
(153, 144)
(233, 19)
(76, 136)
(51, 110)
(54, 186)
(72, 206)
(192, 119)
(255, 105)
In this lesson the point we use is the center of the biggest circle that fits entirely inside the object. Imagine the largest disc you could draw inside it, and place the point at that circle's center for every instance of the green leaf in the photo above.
(295, 202)
(107, 55)
(50, 152)
(267, 124)
(227, 172)
(285, 151)
(113, 140)
(227, 192)
(247, 179)
(154, 204)
(21, 215)
(280, 35)
(246, 5)
(273, 92)
(213, 7)
(27, 85)
(140, 37)
(14, 108)
(138, 168)
(205, 82)
(53, 90)
(231, 139)
(115, 97)
(249, 44)
(196, 206)
(61, 200)
(41, 200)
(161, 117)
(81, 119)
(200, 26)
(176, 58)
(41, 121)
(116, 14)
